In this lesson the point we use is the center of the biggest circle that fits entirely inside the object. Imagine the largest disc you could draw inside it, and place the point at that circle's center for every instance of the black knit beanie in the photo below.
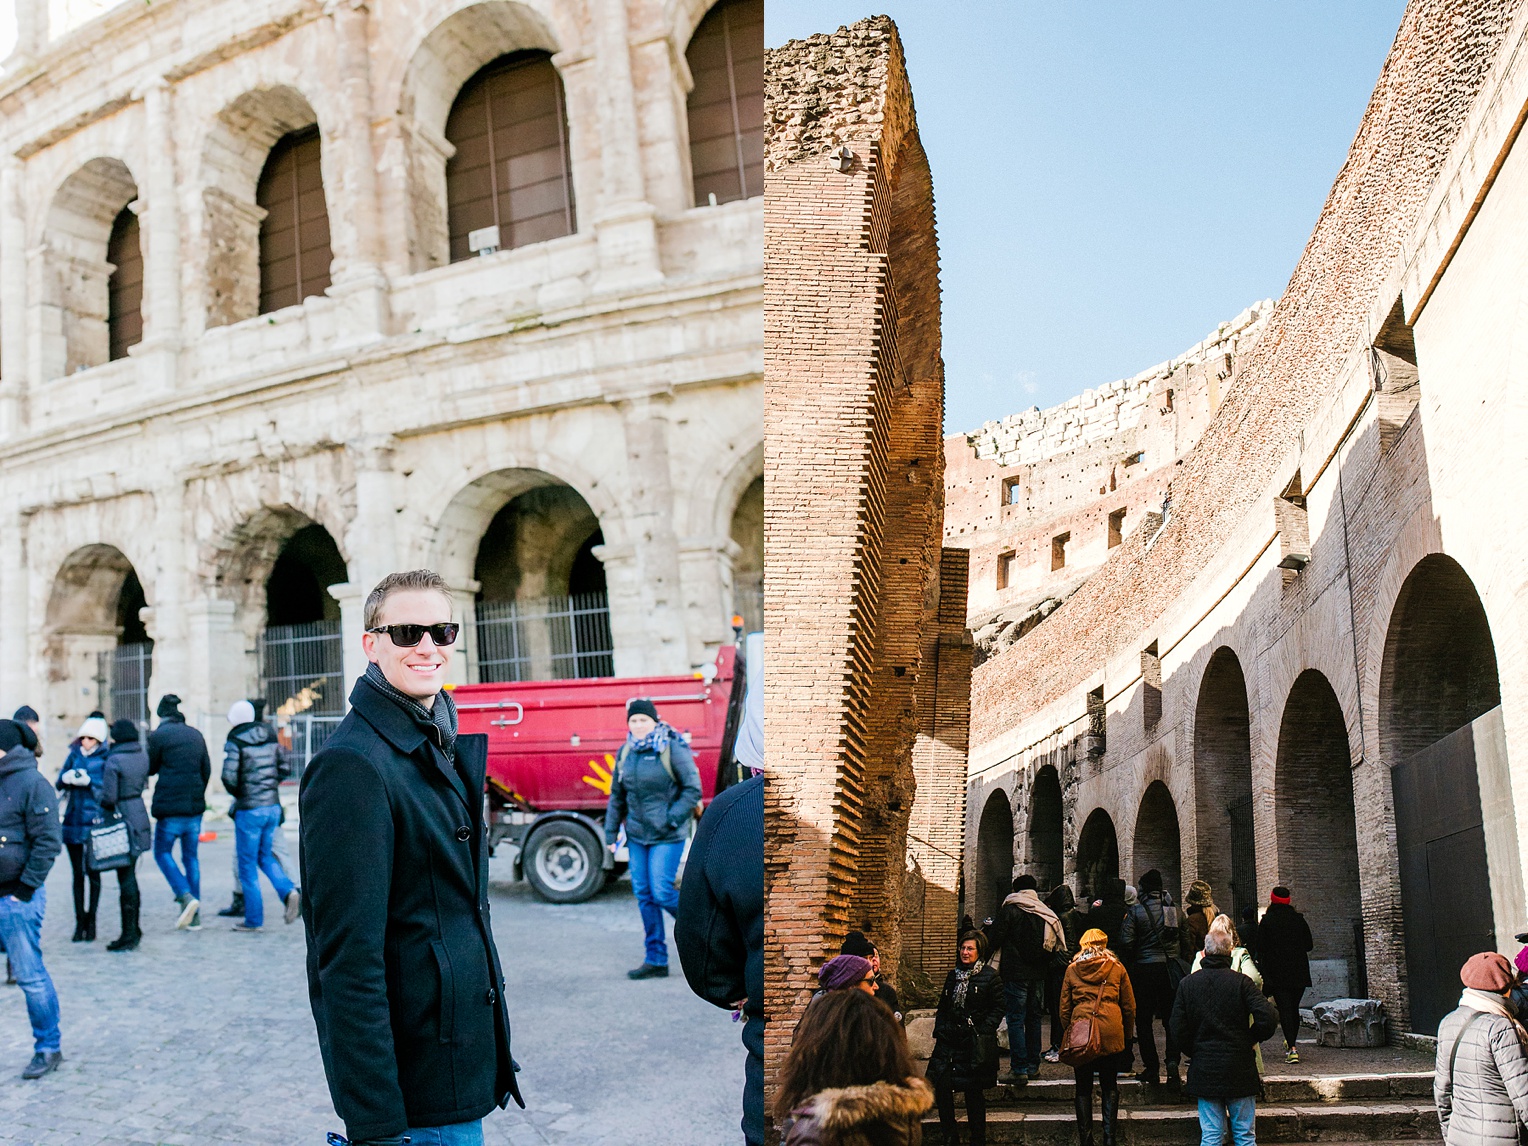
(641, 706)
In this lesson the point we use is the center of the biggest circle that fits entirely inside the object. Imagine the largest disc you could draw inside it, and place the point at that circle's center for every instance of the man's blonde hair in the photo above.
(398, 583)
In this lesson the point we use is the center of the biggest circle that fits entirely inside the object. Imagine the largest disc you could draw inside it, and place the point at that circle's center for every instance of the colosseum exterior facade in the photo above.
(1314, 669)
(590, 404)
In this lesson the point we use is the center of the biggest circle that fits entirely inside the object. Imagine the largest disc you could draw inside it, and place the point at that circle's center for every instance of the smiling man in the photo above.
(403, 974)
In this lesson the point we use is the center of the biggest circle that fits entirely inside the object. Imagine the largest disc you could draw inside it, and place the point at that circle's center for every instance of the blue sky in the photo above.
(1112, 180)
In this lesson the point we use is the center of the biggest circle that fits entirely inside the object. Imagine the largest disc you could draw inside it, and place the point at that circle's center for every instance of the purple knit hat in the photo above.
(843, 971)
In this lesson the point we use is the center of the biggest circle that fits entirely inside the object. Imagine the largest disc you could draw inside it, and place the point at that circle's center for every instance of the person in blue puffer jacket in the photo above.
(83, 771)
(654, 789)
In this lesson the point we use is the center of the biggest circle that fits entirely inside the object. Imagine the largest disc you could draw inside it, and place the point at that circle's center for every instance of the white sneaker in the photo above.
(187, 912)
(293, 905)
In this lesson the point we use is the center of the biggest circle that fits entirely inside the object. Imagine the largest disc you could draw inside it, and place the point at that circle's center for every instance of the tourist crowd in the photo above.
(105, 826)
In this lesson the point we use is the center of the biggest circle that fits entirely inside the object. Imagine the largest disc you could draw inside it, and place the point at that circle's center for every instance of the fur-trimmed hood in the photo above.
(842, 1117)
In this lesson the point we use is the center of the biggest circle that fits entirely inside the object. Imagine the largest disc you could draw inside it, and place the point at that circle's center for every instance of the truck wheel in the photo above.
(562, 862)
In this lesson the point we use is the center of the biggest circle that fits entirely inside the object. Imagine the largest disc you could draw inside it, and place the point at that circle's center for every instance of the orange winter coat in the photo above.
(1097, 985)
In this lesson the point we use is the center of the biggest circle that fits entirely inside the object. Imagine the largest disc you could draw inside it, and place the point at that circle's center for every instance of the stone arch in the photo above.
(1097, 854)
(1442, 734)
(1045, 829)
(746, 531)
(1226, 856)
(75, 293)
(520, 547)
(97, 651)
(445, 58)
(1317, 834)
(233, 156)
(1156, 842)
(994, 855)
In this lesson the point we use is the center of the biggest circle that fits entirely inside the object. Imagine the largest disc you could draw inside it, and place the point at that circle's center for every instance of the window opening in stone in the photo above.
(1393, 364)
(1151, 687)
(1136, 458)
(512, 169)
(543, 610)
(294, 234)
(1005, 569)
(726, 105)
(124, 289)
(1058, 550)
(1013, 490)
(1116, 528)
(1098, 722)
(1292, 521)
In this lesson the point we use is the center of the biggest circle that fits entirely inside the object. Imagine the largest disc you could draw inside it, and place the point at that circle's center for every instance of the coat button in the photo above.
(464, 833)
(493, 996)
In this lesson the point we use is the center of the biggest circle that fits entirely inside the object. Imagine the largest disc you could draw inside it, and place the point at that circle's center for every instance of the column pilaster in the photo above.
(625, 225)
(14, 359)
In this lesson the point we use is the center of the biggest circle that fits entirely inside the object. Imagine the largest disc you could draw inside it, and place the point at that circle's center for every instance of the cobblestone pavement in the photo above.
(207, 1037)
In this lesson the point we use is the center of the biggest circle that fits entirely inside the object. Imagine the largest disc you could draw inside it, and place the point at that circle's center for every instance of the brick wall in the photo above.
(869, 664)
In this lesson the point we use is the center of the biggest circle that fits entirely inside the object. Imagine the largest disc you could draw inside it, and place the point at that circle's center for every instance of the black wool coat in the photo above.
(178, 756)
(1283, 949)
(965, 1037)
(720, 928)
(1210, 1024)
(403, 974)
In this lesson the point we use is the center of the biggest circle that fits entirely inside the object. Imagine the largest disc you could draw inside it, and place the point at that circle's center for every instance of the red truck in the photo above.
(552, 745)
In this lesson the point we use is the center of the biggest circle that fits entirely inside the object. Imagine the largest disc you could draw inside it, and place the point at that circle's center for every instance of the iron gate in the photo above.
(553, 638)
(302, 676)
(1445, 884)
(122, 678)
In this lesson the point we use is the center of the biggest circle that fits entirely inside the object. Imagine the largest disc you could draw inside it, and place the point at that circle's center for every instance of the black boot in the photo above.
(1111, 1114)
(90, 927)
(236, 907)
(1082, 1104)
(128, 941)
(79, 927)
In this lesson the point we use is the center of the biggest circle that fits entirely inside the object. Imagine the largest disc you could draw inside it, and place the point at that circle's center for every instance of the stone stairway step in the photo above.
(1052, 1124)
(1286, 1089)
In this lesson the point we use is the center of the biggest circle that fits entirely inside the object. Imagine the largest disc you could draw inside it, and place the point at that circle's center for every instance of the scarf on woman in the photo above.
(1493, 1004)
(1029, 900)
(441, 715)
(963, 981)
(655, 741)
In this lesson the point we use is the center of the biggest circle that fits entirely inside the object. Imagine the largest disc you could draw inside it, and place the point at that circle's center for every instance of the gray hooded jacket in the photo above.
(30, 835)
(1486, 1099)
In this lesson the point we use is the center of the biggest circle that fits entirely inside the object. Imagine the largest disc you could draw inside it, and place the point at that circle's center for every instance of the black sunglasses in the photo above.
(407, 636)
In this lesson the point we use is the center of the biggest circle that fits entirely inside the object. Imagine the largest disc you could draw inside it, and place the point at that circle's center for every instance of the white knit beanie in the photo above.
(96, 729)
(242, 712)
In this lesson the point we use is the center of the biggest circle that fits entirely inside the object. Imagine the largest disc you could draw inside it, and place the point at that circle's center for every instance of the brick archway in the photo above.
(1318, 839)
(994, 855)
(1045, 829)
(1223, 783)
(1097, 854)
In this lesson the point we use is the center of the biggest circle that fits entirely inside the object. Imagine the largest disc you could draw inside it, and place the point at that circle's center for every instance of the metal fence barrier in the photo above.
(551, 638)
(122, 680)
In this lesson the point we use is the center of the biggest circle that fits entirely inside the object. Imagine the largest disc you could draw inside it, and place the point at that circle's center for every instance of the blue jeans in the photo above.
(21, 934)
(652, 882)
(1026, 1003)
(1216, 1113)
(186, 829)
(457, 1134)
(253, 830)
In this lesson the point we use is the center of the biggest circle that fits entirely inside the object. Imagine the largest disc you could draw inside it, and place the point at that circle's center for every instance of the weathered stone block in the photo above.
(1350, 1023)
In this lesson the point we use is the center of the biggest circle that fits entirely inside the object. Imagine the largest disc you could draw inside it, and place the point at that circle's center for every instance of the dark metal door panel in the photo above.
(1445, 881)
(1243, 856)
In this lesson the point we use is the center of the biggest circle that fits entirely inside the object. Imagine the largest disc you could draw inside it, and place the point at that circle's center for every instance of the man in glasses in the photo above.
(403, 973)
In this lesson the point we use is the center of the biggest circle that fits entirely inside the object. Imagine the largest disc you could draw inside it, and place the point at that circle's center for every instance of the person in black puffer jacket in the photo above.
(254, 764)
(1218, 1017)
(655, 790)
(178, 756)
(121, 792)
(1150, 933)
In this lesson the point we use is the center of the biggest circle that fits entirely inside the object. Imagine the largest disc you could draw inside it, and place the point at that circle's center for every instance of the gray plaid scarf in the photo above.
(440, 716)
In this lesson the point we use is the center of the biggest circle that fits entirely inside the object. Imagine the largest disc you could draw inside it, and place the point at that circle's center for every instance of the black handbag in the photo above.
(109, 846)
